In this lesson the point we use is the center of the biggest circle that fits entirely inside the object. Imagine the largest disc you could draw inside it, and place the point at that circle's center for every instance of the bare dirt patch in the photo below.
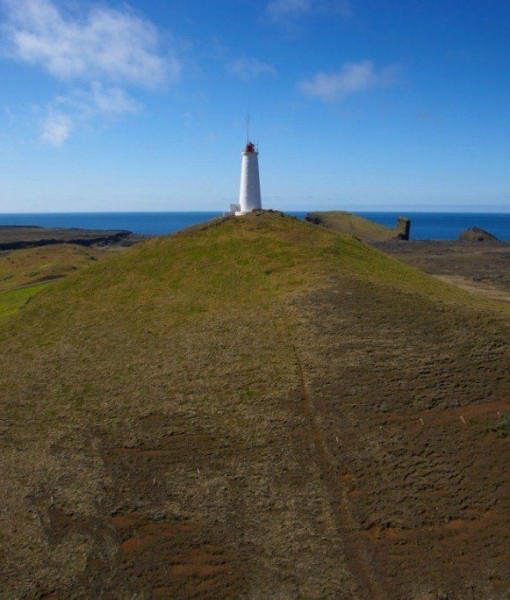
(481, 268)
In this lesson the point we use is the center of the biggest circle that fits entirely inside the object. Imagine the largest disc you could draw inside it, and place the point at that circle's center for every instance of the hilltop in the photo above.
(254, 408)
(364, 229)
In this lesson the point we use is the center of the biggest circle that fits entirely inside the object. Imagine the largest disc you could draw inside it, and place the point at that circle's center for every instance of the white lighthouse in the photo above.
(249, 194)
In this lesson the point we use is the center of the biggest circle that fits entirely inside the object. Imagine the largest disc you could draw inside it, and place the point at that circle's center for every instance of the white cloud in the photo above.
(250, 68)
(104, 43)
(96, 100)
(285, 11)
(56, 129)
(66, 112)
(94, 54)
(112, 100)
(351, 79)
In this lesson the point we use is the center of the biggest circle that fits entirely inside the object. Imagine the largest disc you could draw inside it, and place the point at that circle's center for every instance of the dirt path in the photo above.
(358, 559)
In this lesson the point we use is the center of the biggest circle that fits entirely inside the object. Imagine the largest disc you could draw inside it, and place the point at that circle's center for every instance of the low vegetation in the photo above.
(351, 224)
(25, 267)
(12, 300)
(25, 273)
(502, 427)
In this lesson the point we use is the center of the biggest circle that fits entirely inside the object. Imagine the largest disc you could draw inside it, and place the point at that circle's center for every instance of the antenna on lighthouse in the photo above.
(248, 122)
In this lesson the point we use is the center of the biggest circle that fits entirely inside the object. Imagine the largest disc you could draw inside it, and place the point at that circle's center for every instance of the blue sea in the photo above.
(425, 226)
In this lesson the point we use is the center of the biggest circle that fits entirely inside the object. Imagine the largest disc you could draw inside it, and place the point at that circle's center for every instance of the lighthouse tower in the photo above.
(249, 194)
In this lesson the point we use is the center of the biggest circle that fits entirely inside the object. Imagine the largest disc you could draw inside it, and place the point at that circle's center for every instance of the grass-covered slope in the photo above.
(25, 273)
(252, 409)
(35, 265)
(351, 224)
(11, 301)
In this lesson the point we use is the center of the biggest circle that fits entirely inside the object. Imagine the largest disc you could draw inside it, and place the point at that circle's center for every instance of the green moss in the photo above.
(502, 427)
(13, 300)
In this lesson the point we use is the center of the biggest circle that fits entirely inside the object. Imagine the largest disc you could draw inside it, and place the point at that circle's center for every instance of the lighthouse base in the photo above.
(235, 211)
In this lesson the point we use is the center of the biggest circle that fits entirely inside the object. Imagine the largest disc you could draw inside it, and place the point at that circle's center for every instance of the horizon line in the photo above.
(134, 212)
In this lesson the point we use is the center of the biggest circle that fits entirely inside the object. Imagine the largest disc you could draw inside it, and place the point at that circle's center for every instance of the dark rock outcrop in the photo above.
(403, 228)
(18, 237)
(476, 234)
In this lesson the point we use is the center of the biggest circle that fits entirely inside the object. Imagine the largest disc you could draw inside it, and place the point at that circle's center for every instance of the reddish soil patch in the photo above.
(172, 557)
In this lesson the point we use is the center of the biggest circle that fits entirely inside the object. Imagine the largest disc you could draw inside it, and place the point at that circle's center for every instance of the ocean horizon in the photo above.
(424, 225)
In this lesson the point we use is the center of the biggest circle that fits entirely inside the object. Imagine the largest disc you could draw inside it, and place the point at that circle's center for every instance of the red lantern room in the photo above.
(250, 148)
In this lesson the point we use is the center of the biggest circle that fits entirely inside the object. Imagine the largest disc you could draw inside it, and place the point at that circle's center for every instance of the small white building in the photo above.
(249, 193)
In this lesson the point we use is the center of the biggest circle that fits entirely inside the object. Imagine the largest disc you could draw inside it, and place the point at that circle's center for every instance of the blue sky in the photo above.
(355, 104)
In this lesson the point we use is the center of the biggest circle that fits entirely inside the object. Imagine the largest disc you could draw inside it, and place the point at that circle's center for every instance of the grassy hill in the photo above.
(36, 265)
(25, 273)
(351, 224)
(255, 408)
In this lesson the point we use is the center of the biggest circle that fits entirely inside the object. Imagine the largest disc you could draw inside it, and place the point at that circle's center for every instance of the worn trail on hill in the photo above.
(357, 558)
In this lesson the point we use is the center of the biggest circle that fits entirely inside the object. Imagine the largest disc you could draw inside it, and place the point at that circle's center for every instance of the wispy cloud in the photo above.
(56, 129)
(111, 100)
(99, 51)
(352, 78)
(250, 68)
(288, 11)
(284, 9)
(66, 112)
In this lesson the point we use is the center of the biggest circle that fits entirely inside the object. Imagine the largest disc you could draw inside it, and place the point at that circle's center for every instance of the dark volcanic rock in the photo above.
(403, 228)
(15, 237)
(311, 218)
(475, 234)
